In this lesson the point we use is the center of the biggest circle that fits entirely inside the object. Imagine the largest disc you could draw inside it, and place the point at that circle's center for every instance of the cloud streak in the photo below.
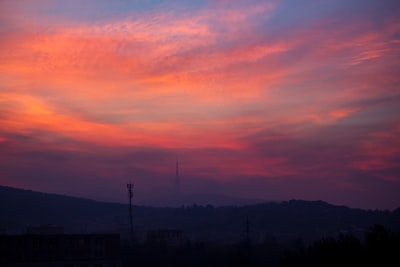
(248, 95)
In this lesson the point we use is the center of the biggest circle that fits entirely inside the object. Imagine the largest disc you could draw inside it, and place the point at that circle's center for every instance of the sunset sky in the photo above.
(272, 100)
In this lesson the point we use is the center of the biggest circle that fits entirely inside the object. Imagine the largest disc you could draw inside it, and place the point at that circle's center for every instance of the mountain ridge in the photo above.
(310, 219)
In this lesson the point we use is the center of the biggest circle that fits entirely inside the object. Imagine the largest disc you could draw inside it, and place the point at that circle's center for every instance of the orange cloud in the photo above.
(341, 113)
(227, 76)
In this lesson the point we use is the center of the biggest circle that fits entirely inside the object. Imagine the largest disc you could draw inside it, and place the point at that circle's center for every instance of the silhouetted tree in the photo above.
(383, 246)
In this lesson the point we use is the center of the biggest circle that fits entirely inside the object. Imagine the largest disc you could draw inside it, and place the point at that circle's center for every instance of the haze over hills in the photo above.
(289, 219)
(174, 200)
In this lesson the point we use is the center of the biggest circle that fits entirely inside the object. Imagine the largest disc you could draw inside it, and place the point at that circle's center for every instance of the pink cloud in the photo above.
(275, 102)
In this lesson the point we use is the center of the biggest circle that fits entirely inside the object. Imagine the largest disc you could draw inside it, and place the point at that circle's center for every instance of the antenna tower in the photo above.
(177, 181)
(130, 195)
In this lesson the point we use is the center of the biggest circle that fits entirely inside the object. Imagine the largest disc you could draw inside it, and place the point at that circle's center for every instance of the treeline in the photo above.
(378, 247)
(310, 219)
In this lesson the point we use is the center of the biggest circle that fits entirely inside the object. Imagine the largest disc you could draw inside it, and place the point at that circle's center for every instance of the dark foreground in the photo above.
(379, 247)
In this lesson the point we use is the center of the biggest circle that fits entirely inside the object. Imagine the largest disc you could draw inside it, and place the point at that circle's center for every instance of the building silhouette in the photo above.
(170, 237)
(47, 247)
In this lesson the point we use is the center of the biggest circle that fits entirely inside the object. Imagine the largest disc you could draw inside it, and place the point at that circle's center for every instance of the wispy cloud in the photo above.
(244, 91)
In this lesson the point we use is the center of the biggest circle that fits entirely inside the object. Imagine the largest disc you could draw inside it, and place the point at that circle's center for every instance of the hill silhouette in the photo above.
(282, 221)
(217, 200)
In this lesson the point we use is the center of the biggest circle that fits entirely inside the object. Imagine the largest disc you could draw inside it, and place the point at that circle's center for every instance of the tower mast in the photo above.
(130, 195)
(177, 181)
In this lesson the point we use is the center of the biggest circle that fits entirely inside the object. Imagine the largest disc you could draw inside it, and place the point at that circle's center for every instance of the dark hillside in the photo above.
(282, 220)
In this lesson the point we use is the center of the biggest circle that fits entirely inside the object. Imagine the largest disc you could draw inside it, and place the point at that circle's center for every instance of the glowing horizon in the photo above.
(267, 99)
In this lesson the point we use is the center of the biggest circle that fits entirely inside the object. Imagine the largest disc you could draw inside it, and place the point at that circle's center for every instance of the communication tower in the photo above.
(177, 180)
(130, 195)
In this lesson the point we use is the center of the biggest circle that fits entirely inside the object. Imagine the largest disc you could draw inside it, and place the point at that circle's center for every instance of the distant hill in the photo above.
(20, 208)
(200, 199)
(280, 220)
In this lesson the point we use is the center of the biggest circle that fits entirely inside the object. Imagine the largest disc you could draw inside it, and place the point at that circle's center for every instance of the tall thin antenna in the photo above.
(177, 181)
(247, 229)
(130, 195)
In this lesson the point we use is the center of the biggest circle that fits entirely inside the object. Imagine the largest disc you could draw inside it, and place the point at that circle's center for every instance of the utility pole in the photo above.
(247, 229)
(130, 195)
